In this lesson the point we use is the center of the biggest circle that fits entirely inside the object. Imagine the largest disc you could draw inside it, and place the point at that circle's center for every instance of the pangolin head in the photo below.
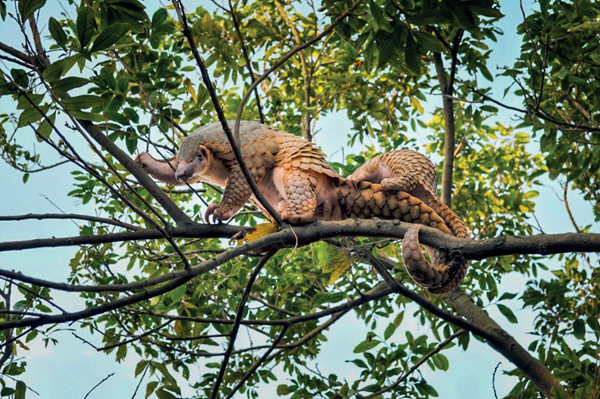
(192, 159)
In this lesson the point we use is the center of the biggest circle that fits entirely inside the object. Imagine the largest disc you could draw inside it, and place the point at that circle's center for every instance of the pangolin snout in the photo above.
(184, 173)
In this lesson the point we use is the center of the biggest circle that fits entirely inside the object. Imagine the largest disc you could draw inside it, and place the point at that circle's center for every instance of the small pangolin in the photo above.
(294, 177)
(411, 172)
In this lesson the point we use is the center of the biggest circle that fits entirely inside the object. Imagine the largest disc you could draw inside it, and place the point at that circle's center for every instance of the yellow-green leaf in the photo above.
(416, 104)
(191, 90)
(258, 231)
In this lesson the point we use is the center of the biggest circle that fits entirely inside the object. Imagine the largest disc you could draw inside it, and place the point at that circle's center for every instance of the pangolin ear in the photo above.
(203, 152)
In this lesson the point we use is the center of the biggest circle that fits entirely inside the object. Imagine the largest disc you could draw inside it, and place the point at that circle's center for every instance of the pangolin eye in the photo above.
(200, 156)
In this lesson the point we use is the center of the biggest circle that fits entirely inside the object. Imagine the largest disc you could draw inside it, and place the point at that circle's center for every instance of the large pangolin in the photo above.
(295, 178)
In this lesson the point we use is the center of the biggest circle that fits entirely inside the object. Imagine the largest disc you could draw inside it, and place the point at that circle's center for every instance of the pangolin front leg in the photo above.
(237, 192)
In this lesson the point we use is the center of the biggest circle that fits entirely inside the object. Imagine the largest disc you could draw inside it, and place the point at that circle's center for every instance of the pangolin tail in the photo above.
(369, 201)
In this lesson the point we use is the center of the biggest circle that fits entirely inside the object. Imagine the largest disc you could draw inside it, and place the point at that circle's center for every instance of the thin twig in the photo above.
(236, 24)
(494, 380)
(98, 384)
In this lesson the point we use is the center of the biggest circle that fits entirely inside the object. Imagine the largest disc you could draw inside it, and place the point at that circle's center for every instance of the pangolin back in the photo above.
(263, 147)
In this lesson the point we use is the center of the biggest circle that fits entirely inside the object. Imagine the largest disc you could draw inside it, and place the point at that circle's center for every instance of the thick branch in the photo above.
(18, 54)
(136, 170)
(505, 343)
(541, 244)
(449, 133)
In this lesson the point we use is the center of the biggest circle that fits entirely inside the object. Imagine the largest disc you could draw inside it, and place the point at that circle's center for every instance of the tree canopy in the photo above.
(106, 79)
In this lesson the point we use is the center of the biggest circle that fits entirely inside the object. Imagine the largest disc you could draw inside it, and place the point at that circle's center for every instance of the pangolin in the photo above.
(413, 173)
(294, 177)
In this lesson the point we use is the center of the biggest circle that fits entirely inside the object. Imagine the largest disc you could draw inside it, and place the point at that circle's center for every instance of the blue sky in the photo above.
(72, 368)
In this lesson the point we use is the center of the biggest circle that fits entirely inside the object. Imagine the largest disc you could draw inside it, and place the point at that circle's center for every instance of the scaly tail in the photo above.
(451, 219)
(368, 201)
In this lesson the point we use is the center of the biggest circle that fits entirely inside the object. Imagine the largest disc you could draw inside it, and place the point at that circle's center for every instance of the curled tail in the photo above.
(368, 200)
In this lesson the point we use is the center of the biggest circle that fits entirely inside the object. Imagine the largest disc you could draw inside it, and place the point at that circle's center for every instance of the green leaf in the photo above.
(486, 11)
(109, 36)
(398, 319)
(45, 128)
(59, 68)
(83, 101)
(2, 10)
(57, 32)
(389, 331)
(379, 18)
(85, 25)
(28, 7)
(87, 116)
(558, 393)
(140, 367)
(160, 16)
(286, 389)
(579, 329)
(151, 387)
(69, 83)
(366, 345)
(505, 310)
(584, 392)
(430, 17)
(387, 43)
(429, 41)
(442, 362)
(163, 394)
(463, 16)
(412, 57)
(20, 77)
(31, 115)
(20, 390)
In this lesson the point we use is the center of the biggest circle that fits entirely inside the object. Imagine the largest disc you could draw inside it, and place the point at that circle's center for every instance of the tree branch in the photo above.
(505, 344)
(44, 216)
(540, 244)
(17, 54)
